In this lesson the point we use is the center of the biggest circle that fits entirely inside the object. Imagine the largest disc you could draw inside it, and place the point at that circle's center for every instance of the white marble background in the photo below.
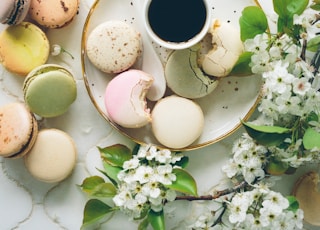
(26, 203)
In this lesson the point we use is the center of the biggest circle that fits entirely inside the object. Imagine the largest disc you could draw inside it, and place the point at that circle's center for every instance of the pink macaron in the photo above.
(125, 99)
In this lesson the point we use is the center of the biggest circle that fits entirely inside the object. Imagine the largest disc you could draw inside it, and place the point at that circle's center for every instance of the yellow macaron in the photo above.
(23, 47)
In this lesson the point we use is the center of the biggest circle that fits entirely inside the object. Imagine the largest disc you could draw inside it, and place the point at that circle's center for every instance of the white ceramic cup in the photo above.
(177, 45)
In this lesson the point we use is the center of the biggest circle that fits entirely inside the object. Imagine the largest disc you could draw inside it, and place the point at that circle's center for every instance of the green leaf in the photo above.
(315, 5)
(286, 9)
(253, 21)
(312, 117)
(267, 135)
(96, 186)
(104, 190)
(115, 155)
(90, 183)
(111, 172)
(311, 139)
(94, 211)
(183, 163)
(313, 44)
(242, 67)
(293, 203)
(156, 220)
(184, 183)
(143, 224)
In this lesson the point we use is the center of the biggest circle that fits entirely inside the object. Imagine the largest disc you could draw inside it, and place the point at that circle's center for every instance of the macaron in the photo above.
(226, 49)
(53, 13)
(184, 76)
(177, 121)
(113, 46)
(52, 157)
(306, 190)
(125, 98)
(49, 90)
(23, 47)
(18, 130)
(13, 11)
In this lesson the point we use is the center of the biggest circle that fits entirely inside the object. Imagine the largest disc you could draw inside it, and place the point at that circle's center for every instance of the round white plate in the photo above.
(232, 101)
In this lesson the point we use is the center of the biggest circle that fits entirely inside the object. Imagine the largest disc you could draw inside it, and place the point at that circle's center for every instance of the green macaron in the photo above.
(49, 90)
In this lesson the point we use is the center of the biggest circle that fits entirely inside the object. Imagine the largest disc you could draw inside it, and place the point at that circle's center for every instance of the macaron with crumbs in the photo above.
(13, 12)
(52, 157)
(53, 13)
(23, 47)
(49, 90)
(18, 130)
(113, 46)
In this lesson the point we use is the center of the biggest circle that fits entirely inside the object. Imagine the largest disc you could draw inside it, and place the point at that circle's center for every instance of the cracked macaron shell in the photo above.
(53, 13)
(185, 77)
(23, 47)
(13, 11)
(49, 90)
(18, 130)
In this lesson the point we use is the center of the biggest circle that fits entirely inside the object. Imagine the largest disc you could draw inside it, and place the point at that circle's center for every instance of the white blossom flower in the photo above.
(165, 175)
(144, 174)
(231, 168)
(57, 50)
(253, 170)
(163, 156)
(131, 164)
(122, 198)
(151, 189)
(301, 86)
(275, 200)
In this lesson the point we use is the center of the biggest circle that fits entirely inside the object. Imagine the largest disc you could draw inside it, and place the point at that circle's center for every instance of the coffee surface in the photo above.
(177, 20)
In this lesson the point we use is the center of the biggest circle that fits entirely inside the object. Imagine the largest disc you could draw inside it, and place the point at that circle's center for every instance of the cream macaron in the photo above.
(18, 130)
(125, 99)
(52, 157)
(113, 46)
(53, 13)
(176, 121)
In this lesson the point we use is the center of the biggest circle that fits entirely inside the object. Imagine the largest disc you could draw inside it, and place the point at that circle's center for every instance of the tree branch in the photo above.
(218, 194)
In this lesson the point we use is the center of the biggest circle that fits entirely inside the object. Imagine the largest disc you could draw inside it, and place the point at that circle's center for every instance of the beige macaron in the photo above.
(113, 46)
(52, 157)
(53, 13)
(176, 121)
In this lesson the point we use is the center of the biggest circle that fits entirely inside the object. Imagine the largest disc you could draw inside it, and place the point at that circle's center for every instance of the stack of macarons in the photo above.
(23, 43)
(50, 154)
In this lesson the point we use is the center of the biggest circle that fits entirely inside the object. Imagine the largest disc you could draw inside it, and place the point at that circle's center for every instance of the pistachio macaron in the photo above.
(49, 90)
(18, 130)
(23, 47)
(52, 157)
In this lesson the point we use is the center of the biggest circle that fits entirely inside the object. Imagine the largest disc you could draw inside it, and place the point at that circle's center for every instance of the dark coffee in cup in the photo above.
(177, 20)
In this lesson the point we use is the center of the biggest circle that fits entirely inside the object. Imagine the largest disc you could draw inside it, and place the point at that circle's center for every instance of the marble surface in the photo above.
(26, 203)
